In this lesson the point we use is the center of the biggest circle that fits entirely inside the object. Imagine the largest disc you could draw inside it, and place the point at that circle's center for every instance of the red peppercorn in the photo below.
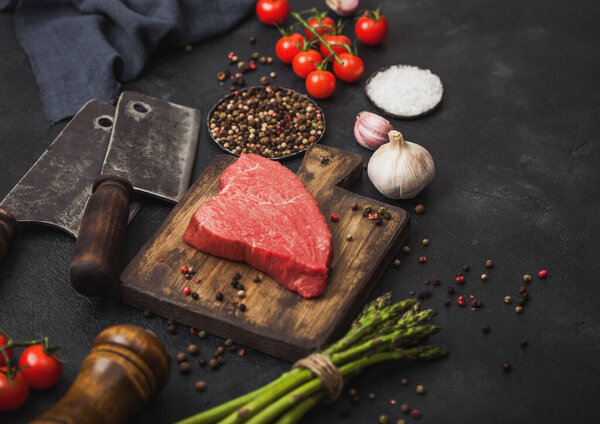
(415, 414)
(334, 217)
(184, 269)
(187, 291)
(543, 273)
(193, 331)
(460, 279)
(161, 259)
(197, 281)
(461, 301)
(422, 259)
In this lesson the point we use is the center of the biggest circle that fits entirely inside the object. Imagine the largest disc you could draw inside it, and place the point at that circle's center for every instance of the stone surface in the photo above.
(517, 182)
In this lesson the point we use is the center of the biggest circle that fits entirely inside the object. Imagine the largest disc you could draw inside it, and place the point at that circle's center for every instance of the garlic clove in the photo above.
(400, 169)
(343, 7)
(371, 130)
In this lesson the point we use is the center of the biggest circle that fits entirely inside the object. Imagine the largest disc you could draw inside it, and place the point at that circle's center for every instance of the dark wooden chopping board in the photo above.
(277, 321)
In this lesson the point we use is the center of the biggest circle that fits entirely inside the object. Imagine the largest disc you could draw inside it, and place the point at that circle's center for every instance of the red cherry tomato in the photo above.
(306, 62)
(287, 47)
(371, 28)
(351, 69)
(272, 12)
(319, 21)
(320, 84)
(44, 370)
(3, 342)
(335, 39)
(11, 397)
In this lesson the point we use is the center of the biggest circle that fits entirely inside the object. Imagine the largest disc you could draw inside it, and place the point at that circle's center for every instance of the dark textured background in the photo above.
(515, 146)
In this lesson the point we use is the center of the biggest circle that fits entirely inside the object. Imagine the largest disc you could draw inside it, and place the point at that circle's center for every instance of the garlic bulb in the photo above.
(343, 7)
(371, 130)
(400, 169)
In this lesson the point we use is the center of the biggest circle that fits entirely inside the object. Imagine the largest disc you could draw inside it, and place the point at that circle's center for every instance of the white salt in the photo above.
(405, 90)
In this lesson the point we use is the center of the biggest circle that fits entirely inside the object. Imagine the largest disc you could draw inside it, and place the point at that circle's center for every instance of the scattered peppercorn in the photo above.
(228, 342)
(213, 364)
(372, 396)
(202, 334)
(419, 209)
(187, 291)
(507, 299)
(406, 250)
(460, 279)
(415, 414)
(241, 294)
(507, 367)
(451, 290)
(200, 386)
(485, 328)
(349, 237)
(396, 263)
(543, 273)
(466, 268)
(242, 307)
(269, 60)
(272, 74)
(180, 357)
(420, 390)
(461, 301)
(387, 216)
(519, 309)
(425, 242)
(354, 206)
(522, 289)
(195, 296)
(400, 421)
(489, 263)
(384, 419)
(185, 367)
(404, 382)
(193, 349)
(411, 293)
(422, 259)
(188, 48)
(334, 217)
(352, 392)
(256, 279)
(355, 400)
(220, 360)
(172, 329)
(526, 278)
(219, 296)
(264, 80)
(435, 281)
(147, 314)
(483, 277)
(202, 362)
(447, 302)
(405, 408)
(523, 343)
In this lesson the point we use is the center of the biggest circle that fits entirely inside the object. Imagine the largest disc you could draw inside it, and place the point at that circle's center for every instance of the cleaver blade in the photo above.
(151, 150)
(56, 189)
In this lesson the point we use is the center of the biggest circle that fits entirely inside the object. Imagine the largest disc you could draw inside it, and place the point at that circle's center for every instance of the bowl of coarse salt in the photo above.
(404, 91)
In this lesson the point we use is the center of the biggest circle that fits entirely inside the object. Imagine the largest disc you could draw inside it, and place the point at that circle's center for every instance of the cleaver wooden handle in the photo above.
(125, 368)
(101, 236)
(8, 231)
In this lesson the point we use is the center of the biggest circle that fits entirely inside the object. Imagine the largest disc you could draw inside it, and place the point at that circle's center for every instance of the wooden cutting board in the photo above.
(277, 321)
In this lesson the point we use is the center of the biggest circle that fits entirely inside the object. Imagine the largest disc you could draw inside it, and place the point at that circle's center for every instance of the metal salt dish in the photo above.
(291, 155)
(405, 117)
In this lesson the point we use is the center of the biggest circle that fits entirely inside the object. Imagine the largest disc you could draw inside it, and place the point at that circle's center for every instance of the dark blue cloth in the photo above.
(83, 49)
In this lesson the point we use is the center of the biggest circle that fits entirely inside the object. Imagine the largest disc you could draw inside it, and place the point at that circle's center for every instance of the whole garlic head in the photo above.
(400, 169)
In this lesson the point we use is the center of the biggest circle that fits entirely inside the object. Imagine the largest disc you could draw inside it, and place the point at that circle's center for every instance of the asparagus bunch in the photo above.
(381, 332)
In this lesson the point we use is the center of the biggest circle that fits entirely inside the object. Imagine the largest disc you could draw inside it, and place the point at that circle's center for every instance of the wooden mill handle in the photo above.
(8, 231)
(101, 236)
(125, 368)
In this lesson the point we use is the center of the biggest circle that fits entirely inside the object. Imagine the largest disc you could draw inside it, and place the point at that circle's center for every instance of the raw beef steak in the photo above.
(264, 216)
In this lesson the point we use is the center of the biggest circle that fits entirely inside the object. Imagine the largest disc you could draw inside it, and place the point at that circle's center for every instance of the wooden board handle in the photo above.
(125, 368)
(101, 236)
(8, 231)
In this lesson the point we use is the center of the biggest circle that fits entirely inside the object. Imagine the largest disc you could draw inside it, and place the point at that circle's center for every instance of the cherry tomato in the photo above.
(371, 28)
(287, 47)
(351, 69)
(272, 12)
(320, 84)
(15, 396)
(3, 342)
(44, 370)
(305, 62)
(318, 21)
(335, 39)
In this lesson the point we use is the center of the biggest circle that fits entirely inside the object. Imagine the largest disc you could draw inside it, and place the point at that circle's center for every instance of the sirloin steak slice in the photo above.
(263, 215)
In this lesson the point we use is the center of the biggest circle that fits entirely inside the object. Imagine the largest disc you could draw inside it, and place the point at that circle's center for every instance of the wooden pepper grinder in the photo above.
(125, 368)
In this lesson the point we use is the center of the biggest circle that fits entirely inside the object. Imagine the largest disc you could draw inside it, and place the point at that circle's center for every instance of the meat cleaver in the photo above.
(57, 187)
(151, 150)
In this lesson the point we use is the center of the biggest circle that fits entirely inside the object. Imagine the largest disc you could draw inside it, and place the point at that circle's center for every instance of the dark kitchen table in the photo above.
(517, 181)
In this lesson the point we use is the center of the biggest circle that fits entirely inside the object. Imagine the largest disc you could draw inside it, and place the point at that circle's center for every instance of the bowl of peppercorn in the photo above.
(274, 122)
